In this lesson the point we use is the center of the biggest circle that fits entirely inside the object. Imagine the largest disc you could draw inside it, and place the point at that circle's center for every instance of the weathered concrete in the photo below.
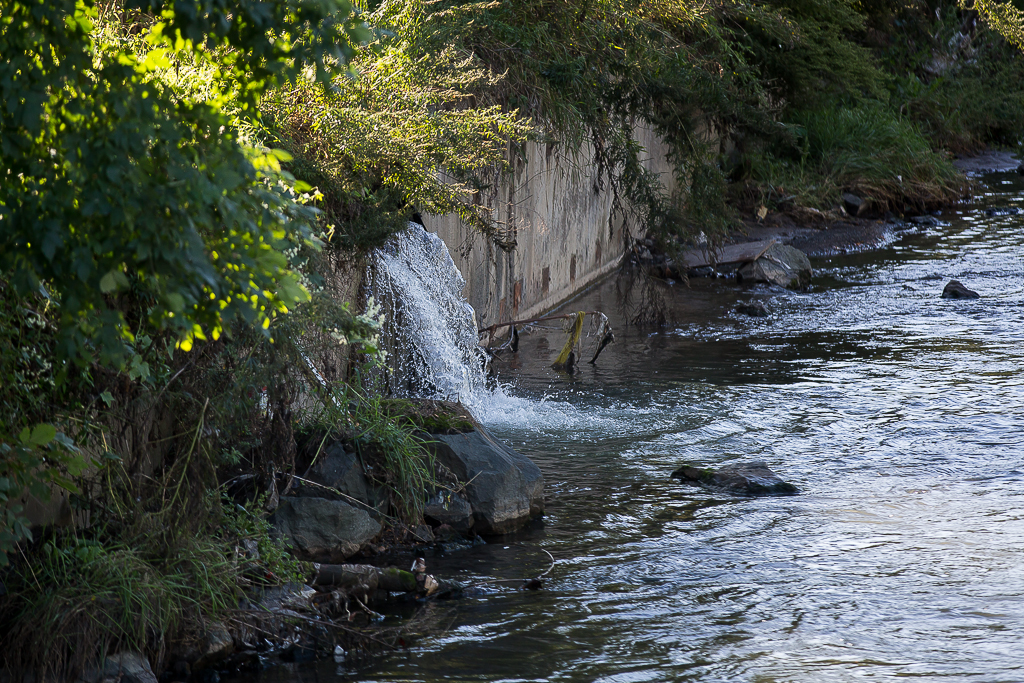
(560, 215)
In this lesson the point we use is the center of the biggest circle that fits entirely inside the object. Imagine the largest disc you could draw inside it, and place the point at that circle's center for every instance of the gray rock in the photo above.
(754, 309)
(338, 468)
(955, 290)
(749, 479)
(854, 205)
(452, 509)
(216, 645)
(781, 265)
(124, 667)
(504, 488)
(422, 533)
(323, 530)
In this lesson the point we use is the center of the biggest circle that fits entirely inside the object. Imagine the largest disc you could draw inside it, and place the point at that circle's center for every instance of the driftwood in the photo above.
(566, 360)
(607, 339)
(529, 321)
(744, 252)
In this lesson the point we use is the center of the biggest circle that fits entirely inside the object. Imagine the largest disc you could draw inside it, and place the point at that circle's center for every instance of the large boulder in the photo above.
(322, 530)
(747, 479)
(504, 489)
(779, 264)
(338, 469)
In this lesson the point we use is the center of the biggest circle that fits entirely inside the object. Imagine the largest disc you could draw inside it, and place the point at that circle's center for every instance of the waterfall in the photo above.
(430, 335)
(430, 330)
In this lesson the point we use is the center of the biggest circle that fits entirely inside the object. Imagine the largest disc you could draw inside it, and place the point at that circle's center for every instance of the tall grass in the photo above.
(81, 599)
(386, 441)
(867, 150)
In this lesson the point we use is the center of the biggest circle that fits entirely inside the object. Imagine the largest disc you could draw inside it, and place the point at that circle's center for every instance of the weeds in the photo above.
(386, 441)
(865, 150)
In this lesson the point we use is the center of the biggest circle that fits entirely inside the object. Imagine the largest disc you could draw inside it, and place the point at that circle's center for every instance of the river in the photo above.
(899, 415)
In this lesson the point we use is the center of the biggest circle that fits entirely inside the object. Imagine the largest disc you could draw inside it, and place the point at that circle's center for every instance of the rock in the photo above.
(124, 667)
(754, 309)
(749, 479)
(854, 205)
(1003, 211)
(779, 264)
(422, 534)
(339, 468)
(955, 290)
(504, 489)
(1020, 169)
(451, 509)
(323, 530)
(216, 645)
(926, 220)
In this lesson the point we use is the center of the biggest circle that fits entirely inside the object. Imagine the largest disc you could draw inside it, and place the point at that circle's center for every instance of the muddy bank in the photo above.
(840, 231)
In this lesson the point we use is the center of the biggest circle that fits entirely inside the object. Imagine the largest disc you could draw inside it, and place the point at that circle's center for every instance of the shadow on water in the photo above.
(897, 413)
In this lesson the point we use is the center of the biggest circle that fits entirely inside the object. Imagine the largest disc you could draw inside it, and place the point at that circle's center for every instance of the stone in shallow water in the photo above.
(749, 479)
(754, 309)
(779, 264)
(955, 290)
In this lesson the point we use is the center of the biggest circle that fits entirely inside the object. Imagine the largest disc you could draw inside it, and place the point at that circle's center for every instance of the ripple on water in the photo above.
(897, 413)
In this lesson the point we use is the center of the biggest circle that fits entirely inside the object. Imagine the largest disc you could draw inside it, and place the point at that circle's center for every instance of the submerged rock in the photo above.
(504, 489)
(750, 479)
(955, 290)
(779, 264)
(322, 530)
(754, 309)
(1004, 211)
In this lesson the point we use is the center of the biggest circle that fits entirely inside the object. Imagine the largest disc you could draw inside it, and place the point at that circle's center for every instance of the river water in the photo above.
(899, 415)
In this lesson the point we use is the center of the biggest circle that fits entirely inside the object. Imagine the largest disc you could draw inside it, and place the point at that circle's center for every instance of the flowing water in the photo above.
(898, 414)
(429, 330)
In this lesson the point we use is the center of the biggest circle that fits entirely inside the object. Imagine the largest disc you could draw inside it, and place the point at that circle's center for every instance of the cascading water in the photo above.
(430, 335)
(429, 330)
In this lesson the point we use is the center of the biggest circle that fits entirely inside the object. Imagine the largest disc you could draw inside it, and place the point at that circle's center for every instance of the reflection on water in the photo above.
(897, 413)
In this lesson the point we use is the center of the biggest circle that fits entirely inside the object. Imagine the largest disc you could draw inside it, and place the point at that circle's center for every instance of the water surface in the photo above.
(898, 414)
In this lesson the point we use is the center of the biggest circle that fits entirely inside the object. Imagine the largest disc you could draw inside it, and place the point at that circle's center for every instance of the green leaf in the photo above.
(42, 434)
(107, 283)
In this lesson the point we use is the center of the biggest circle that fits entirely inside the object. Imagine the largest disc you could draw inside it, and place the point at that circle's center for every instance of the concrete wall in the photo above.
(566, 233)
